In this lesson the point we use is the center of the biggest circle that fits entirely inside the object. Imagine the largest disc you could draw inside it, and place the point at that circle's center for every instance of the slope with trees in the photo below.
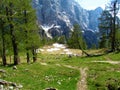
(109, 26)
(18, 21)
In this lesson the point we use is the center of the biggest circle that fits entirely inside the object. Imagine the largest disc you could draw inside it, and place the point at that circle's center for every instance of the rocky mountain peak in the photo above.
(57, 17)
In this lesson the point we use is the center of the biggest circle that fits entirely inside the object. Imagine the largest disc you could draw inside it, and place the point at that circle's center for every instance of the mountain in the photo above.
(57, 17)
(93, 18)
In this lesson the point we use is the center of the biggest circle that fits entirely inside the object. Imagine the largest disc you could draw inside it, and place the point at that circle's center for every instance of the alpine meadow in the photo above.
(59, 45)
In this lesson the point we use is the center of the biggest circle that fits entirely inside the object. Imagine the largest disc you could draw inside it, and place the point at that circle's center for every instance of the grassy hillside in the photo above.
(62, 72)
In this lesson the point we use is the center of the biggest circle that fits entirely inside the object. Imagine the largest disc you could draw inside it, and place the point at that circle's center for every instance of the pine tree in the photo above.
(105, 23)
(12, 21)
(18, 19)
(27, 10)
(118, 39)
(112, 22)
(76, 40)
(2, 30)
(113, 8)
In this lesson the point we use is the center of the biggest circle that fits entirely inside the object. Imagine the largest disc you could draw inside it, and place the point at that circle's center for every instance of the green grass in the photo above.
(38, 77)
(101, 75)
(35, 76)
(114, 56)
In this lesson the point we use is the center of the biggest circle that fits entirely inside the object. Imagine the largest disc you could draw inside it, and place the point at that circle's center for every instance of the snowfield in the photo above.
(57, 48)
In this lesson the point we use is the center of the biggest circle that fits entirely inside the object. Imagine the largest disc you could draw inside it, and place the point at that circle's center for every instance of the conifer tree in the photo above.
(76, 40)
(109, 22)
(113, 8)
(12, 21)
(27, 19)
(18, 18)
(105, 26)
(30, 29)
(2, 32)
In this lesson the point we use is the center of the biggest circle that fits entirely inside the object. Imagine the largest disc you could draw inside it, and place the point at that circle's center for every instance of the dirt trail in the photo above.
(68, 66)
(82, 84)
(110, 62)
(108, 59)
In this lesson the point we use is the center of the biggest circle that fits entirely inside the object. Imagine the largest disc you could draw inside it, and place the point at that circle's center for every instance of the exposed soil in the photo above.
(82, 84)
(110, 62)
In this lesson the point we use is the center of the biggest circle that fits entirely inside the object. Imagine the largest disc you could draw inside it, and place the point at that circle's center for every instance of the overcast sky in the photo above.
(92, 4)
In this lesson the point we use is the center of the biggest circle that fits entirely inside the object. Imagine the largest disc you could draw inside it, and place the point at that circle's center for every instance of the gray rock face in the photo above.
(57, 17)
(93, 18)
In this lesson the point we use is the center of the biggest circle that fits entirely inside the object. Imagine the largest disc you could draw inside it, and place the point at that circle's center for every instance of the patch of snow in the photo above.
(62, 53)
(66, 50)
(69, 53)
(53, 49)
(85, 25)
(57, 26)
(46, 29)
(90, 30)
(49, 50)
(56, 45)
(65, 18)
(39, 50)
(83, 31)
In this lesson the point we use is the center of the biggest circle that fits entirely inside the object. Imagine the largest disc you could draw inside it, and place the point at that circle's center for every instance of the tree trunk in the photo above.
(83, 52)
(15, 47)
(34, 55)
(28, 56)
(26, 32)
(3, 44)
(113, 36)
(113, 46)
(3, 50)
(12, 33)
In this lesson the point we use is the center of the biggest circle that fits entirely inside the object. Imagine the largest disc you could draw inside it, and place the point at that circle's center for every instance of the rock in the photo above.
(1, 87)
(57, 17)
(2, 71)
(20, 86)
(70, 55)
(14, 84)
(14, 67)
(3, 82)
(11, 87)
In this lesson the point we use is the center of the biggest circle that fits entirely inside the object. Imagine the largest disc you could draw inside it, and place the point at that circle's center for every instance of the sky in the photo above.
(92, 4)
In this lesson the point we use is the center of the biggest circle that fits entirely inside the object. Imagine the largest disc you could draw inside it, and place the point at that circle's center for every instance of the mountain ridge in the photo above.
(57, 17)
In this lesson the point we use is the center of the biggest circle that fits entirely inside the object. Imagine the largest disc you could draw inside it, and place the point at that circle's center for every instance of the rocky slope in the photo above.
(57, 17)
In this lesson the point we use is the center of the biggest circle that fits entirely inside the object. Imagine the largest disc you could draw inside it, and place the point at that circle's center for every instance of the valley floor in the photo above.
(62, 72)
